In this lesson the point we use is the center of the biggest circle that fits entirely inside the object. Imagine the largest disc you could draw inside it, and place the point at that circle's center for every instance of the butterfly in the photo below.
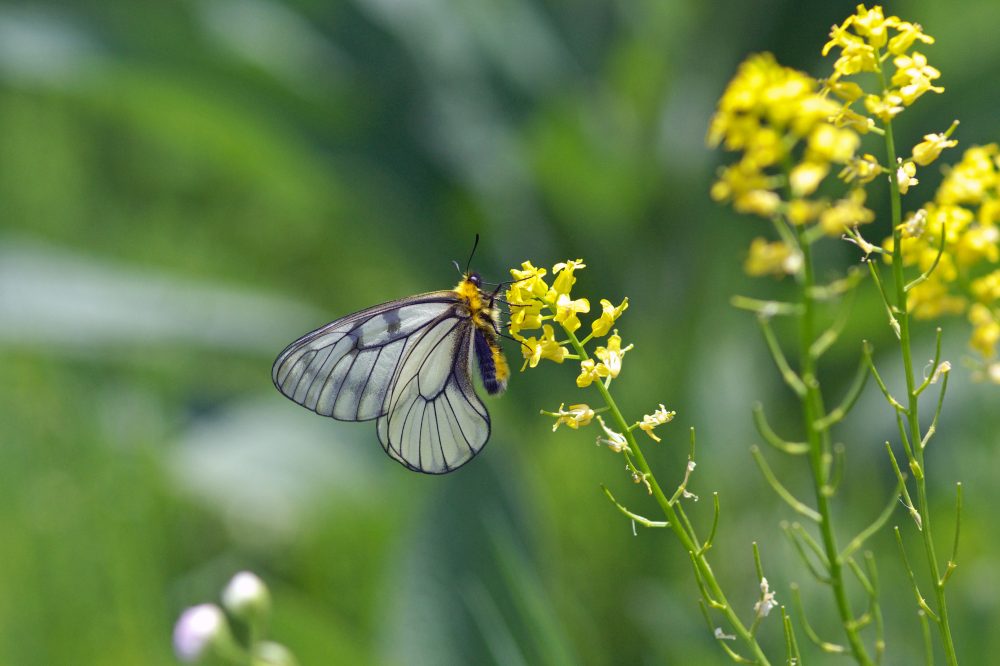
(407, 365)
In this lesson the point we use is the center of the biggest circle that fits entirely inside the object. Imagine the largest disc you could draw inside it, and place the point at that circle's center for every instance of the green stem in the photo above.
(695, 550)
(819, 449)
(912, 412)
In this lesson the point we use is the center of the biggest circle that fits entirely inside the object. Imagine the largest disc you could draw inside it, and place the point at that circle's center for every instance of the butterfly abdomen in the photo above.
(492, 364)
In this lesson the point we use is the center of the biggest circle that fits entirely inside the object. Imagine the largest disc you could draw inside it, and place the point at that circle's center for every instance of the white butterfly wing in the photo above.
(434, 421)
(345, 369)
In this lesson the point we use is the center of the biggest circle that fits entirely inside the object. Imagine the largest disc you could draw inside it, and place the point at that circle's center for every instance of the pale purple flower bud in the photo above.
(197, 630)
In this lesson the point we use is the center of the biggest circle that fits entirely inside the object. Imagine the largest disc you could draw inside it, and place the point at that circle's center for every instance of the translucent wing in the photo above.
(346, 368)
(434, 421)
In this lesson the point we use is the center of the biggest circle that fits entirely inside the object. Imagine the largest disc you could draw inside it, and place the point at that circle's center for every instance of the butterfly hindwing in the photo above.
(434, 420)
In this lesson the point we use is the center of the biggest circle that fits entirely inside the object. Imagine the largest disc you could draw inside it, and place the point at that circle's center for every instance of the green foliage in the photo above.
(184, 187)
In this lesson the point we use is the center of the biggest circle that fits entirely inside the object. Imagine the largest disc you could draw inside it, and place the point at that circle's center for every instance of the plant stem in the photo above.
(912, 412)
(676, 524)
(819, 449)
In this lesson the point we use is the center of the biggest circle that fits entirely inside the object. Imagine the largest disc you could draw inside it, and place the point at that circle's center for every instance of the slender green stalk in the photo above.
(715, 596)
(818, 440)
(912, 399)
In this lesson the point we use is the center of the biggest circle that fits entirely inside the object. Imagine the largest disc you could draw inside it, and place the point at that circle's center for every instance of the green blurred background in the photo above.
(187, 186)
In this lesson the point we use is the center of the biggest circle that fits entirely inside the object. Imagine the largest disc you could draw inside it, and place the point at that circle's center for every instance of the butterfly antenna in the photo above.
(458, 268)
(472, 254)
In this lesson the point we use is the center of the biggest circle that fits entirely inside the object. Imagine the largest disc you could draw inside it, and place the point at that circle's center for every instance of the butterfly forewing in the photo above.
(345, 368)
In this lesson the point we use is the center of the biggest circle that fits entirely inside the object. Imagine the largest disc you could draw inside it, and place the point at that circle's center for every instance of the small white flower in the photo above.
(943, 368)
(615, 440)
(723, 636)
(687, 477)
(197, 629)
(767, 601)
(915, 224)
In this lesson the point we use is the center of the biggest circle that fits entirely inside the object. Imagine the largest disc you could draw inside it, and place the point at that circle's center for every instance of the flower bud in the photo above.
(268, 653)
(199, 632)
(247, 598)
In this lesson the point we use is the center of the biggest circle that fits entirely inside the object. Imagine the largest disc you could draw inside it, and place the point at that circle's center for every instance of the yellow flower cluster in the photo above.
(532, 302)
(776, 117)
(861, 39)
(771, 258)
(866, 42)
(785, 125)
(791, 129)
(966, 210)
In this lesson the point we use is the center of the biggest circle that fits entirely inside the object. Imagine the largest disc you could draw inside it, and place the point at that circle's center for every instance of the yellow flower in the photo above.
(757, 202)
(771, 258)
(913, 76)
(847, 117)
(930, 299)
(574, 417)
(567, 309)
(978, 244)
(764, 147)
(748, 188)
(987, 288)
(564, 275)
(985, 330)
(590, 372)
(801, 211)
(611, 356)
(905, 175)
(846, 213)
(864, 169)
(930, 148)
(657, 418)
(609, 314)
(830, 144)
(969, 180)
(524, 317)
(839, 36)
(871, 24)
(887, 107)
(527, 287)
(907, 34)
(989, 213)
(811, 110)
(855, 56)
(806, 177)
(534, 349)
(849, 91)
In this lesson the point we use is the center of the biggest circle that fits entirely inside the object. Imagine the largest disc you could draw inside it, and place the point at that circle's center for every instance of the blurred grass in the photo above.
(185, 187)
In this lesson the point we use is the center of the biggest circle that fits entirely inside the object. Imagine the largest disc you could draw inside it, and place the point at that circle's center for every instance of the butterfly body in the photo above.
(405, 364)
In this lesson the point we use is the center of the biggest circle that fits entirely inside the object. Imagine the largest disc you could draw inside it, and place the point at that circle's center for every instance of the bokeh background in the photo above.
(187, 186)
